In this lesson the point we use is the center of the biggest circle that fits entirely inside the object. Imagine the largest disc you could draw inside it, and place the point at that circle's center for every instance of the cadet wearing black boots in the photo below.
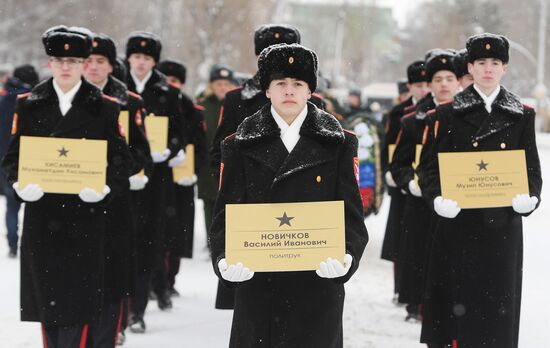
(414, 239)
(473, 290)
(179, 241)
(120, 268)
(62, 246)
(161, 99)
(276, 156)
(418, 87)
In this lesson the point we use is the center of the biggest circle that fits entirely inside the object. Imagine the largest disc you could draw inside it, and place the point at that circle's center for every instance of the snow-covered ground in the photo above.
(370, 319)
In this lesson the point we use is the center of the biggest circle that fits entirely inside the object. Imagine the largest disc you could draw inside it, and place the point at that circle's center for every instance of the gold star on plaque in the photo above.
(488, 47)
(290, 60)
(66, 47)
(277, 35)
(143, 43)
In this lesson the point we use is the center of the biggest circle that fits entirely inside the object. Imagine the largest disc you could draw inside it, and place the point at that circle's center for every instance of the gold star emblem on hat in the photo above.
(290, 60)
(94, 44)
(443, 60)
(224, 73)
(143, 43)
(66, 47)
(277, 35)
(488, 46)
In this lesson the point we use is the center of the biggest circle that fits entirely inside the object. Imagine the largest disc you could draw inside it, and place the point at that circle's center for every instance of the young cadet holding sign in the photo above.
(289, 151)
(62, 244)
(474, 277)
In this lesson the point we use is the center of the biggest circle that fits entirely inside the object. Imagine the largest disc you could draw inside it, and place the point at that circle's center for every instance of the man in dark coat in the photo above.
(243, 102)
(473, 292)
(289, 151)
(418, 86)
(62, 246)
(179, 241)
(220, 82)
(414, 237)
(23, 80)
(120, 268)
(161, 99)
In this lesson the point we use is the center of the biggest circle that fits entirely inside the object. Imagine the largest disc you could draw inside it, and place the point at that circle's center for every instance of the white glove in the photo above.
(446, 207)
(234, 273)
(332, 268)
(523, 203)
(89, 195)
(175, 161)
(185, 181)
(159, 157)
(414, 189)
(31, 192)
(389, 180)
(138, 182)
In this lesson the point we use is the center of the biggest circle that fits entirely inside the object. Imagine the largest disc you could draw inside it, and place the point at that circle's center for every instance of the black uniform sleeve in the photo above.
(119, 159)
(231, 191)
(348, 191)
(528, 142)
(226, 126)
(176, 124)
(199, 139)
(401, 166)
(10, 162)
(139, 146)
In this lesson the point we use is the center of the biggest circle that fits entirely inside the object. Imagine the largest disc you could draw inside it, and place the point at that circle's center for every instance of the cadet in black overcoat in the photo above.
(415, 237)
(161, 99)
(289, 309)
(62, 258)
(418, 86)
(474, 278)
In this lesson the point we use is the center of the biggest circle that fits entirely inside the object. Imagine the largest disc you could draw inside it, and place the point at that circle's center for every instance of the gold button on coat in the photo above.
(502, 145)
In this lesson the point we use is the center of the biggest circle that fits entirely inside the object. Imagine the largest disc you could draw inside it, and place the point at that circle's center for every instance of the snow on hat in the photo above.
(272, 34)
(282, 60)
(488, 45)
(144, 42)
(63, 41)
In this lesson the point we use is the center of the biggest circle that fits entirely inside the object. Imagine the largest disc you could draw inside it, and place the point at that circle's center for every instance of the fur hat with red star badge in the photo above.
(281, 61)
(144, 42)
(63, 41)
(488, 46)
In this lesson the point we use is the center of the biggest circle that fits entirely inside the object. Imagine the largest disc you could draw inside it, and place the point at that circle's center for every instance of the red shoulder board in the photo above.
(425, 134)
(317, 95)
(528, 106)
(410, 114)
(350, 132)
(113, 99)
(135, 95)
(409, 108)
(235, 89)
(171, 84)
(230, 136)
(24, 95)
(199, 107)
(14, 124)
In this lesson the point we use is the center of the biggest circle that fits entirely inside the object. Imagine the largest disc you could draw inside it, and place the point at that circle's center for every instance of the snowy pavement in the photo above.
(370, 319)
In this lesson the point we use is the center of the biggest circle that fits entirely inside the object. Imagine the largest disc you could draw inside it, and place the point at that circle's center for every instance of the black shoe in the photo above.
(173, 292)
(12, 254)
(121, 338)
(164, 302)
(137, 325)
